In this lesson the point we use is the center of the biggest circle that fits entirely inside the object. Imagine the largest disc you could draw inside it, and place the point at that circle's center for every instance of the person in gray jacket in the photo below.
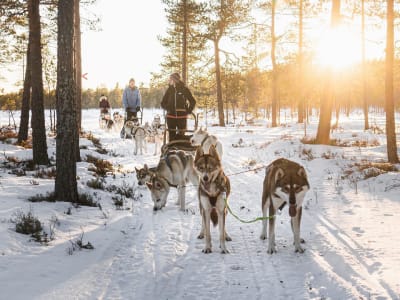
(131, 100)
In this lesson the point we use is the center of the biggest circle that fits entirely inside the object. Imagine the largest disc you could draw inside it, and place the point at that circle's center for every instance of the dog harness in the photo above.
(220, 183)
(204, 140)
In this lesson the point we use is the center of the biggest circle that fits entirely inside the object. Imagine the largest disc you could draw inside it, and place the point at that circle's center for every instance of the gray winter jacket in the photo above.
(131, 99)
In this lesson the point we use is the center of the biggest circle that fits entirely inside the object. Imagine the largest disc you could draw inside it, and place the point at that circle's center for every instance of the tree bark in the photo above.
(184, 42)
(324, 124)
(274, 85)
(363, 68)
(26, 101)
(65, 183)
(39, 146)
(389, 96)
(300, 104)
(78, 66)
(220, 101)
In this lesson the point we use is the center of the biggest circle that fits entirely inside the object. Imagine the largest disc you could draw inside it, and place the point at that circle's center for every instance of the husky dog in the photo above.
(105, 121)
(202, 138)
(175, 169)
(118, 120)
(144, 174)
(285, 182)
(155, 133)
(213, 191)
(133, 130)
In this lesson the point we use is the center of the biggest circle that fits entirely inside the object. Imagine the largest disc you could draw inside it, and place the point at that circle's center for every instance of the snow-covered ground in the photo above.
(350, 225)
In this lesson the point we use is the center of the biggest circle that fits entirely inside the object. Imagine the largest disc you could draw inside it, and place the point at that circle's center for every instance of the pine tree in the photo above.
(66, 184)
(39, 145)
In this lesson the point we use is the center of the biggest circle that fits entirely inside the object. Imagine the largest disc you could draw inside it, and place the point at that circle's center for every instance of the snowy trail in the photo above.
(351, 252)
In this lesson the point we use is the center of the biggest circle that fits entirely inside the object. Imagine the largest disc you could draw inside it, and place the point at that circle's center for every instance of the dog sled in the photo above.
(182, 142)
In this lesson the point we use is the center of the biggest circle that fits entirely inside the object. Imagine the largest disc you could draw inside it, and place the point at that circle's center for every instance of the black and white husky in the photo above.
(175, 169)
(214, 190)
(285, 182)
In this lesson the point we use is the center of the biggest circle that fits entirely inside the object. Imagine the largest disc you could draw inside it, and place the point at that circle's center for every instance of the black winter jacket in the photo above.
(178, 100)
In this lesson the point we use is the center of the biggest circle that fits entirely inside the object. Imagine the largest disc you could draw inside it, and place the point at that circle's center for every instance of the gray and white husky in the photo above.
(285, 182)
(133, 130)
(203, 139)
(175, 169)
(214, 189)
(144, 174)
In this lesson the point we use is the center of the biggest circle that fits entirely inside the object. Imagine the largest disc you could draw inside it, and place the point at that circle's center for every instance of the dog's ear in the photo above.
(213, 152)
(137, 170)
(199, 153)
(279, 174)
(149, 185)
(302, 173)
(145, 167)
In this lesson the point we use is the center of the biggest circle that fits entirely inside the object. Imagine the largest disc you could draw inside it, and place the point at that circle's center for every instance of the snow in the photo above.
(349, 224)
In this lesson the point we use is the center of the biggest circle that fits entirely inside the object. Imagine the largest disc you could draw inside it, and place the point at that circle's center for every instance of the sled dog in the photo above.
(155, 133)
(133, 130)
(144, 174)
(105, 121)
(213, 190)
(202, 138)
(285, 182)
(175, 169)
(118, 120)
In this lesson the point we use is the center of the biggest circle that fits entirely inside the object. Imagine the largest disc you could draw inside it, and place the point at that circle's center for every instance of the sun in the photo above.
(338, 48)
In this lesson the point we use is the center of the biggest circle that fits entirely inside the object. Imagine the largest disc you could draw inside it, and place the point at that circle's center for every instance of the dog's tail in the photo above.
(214, 216)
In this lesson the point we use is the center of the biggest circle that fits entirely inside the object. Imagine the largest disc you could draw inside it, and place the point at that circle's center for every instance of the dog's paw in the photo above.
(263, 236)
(206, 250)
(200, 236)
(271, 250)
(228, 238)
(303, 241)
(299, 250)
(224, 251)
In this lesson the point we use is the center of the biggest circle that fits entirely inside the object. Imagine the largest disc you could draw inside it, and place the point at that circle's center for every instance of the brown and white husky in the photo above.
(213, 191)
(285, 182)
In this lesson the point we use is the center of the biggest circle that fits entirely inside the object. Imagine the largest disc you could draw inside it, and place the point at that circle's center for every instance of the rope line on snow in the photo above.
(245, 221)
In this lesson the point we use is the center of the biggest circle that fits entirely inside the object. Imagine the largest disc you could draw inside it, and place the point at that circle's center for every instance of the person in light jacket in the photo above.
(178, 101)
(131, 100)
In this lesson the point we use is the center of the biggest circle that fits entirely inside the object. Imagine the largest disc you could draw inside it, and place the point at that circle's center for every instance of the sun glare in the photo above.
(338, 48)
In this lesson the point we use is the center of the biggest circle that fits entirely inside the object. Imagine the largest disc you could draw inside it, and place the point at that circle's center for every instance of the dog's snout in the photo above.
(205, 178)
(140, 183)
(155, 208)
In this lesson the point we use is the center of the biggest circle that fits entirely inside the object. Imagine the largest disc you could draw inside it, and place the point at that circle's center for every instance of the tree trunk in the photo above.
(39, 146)
(324, 124)
(300, 107)
(184, 43)
(220, 101)
(274, 85)
(26, 101)
(65, 183)
(78, 70)
(389, 103)
(363, 68)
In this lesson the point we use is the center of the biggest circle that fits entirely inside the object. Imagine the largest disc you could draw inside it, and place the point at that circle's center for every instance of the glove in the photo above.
(137, 108)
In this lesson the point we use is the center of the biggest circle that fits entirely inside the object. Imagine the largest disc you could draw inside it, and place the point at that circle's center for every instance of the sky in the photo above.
(125, 47)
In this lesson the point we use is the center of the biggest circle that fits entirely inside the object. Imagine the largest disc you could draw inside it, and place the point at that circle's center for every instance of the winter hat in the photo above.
(175, 77)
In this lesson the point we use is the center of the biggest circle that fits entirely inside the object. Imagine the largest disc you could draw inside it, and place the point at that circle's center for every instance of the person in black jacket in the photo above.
(178, 101)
